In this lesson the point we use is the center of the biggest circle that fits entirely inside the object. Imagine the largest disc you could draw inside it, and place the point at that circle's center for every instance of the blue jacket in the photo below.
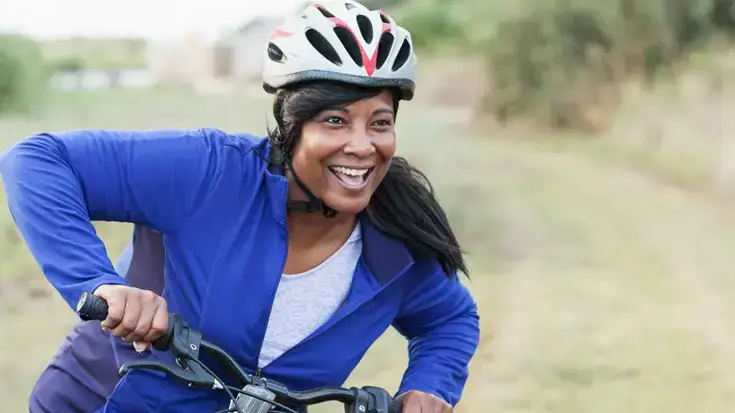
(222, 212)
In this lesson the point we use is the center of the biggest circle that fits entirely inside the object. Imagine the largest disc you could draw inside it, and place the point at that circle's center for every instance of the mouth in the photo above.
(352, 178)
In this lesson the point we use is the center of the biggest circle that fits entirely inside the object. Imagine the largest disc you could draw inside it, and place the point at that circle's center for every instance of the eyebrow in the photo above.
(377, 112)
(382, 111)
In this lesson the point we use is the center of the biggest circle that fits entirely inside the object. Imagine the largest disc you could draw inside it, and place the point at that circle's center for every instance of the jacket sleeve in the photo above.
(440, 320)
(56, 184)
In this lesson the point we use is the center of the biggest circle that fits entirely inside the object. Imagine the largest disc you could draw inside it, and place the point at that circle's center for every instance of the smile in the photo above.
(353, 178)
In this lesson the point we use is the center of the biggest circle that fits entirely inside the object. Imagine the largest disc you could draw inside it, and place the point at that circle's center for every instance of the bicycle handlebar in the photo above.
(186, 343)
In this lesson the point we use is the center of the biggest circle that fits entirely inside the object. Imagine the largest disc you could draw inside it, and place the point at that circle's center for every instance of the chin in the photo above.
(348, 206)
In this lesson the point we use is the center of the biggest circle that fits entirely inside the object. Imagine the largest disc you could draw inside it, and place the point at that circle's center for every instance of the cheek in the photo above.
(318, 145)
(386, 146)
(308, 157)
(304, 161)
(386, 150)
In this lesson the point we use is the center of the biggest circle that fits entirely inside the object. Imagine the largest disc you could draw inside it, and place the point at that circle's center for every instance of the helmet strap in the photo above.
(312, 204)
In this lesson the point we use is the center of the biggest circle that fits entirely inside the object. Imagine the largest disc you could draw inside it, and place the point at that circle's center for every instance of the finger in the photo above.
(147, 311)
(131, 315)
(141, 346)
(159, 325)
(115, 308)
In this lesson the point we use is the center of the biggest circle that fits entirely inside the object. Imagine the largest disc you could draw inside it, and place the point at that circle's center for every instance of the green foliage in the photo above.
(22, 77)
(431, 26)
(555, 59)
(381, 4)
(66, 64)
(96, 53)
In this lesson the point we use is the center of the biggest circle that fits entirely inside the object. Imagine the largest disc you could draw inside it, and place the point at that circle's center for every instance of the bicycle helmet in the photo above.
(338, 40)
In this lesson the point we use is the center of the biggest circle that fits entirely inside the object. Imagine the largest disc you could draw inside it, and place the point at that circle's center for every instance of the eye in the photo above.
(383, 123)
(334, 120)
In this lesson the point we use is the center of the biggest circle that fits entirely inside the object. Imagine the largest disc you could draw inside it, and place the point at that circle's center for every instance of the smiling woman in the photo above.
(343, 142)
(280, 249)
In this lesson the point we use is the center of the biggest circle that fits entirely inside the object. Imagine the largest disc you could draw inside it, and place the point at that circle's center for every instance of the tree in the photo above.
(22, 76)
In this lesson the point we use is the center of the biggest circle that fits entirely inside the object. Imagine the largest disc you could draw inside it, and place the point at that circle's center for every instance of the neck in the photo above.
(307, 229)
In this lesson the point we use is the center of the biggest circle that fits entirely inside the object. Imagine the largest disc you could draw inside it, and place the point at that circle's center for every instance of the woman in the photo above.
(281, 250)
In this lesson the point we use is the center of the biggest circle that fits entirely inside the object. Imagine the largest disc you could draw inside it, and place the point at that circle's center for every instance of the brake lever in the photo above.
(361, 402)
(380, 401)
(190, 374)
(184, 343)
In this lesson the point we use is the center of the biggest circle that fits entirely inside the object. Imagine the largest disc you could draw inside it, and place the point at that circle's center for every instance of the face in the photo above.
(344, 153)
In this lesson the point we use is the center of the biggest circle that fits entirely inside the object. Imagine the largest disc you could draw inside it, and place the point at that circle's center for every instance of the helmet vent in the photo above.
(384, 47)
(366, 28)
(350, 44)
(349, 6)
(324, 12)
(384, 18)
(322, 46)
(275, 53)
(403, 54)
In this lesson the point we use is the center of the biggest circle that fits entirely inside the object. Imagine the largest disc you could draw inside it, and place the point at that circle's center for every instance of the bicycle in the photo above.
(256, 394)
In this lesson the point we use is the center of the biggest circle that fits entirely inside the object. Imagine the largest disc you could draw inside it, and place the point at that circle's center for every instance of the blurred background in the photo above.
(582, 148)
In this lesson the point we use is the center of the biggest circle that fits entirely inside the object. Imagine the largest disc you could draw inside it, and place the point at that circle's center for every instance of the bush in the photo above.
(22, 76)
(560, 62)
(432, 25)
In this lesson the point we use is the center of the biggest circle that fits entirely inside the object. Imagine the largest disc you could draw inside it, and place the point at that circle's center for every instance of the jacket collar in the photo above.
(386, 257)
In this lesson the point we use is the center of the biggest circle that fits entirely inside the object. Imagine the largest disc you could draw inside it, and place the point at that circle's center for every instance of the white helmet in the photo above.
(340, 40)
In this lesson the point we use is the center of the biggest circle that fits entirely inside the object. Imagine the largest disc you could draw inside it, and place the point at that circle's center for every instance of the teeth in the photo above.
(349, 171)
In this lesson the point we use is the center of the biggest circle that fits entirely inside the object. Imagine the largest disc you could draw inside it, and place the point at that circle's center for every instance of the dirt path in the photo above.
(624, 300)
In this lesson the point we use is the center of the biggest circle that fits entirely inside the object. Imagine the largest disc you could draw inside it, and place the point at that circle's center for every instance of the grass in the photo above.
(601, 289)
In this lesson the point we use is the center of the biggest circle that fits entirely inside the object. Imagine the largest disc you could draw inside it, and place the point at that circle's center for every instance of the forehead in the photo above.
(382, 101)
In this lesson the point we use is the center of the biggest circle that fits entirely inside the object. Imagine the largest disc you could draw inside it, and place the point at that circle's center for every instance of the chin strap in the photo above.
(313, 204)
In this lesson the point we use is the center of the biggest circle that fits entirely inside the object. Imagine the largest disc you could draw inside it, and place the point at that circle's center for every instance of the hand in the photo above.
(136, 315)
(415, 401)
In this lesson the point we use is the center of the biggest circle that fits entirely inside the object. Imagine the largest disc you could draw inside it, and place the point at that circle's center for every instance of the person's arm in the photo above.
(440, 320)
(56, 184)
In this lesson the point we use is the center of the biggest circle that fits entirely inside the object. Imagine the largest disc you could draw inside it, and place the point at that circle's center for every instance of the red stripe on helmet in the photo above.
(280, 32)
(368, 62)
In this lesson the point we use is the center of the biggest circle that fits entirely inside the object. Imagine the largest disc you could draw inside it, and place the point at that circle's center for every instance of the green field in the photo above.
(601, 289)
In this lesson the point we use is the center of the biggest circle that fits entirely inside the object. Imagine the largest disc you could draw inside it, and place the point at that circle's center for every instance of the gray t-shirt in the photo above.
(307, 300)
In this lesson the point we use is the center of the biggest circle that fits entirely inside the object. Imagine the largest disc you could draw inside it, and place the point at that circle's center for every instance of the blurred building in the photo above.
(235, 56)
(183, 61)
(239, 55)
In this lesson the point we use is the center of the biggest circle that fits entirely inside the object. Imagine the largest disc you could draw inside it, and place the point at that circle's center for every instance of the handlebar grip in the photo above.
(395, 406)
(90, 307)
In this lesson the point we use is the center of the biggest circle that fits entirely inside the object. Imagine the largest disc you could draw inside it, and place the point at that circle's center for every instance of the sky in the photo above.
(152, 19)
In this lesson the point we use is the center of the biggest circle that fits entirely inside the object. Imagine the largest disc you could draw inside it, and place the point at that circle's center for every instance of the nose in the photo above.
(360, 145)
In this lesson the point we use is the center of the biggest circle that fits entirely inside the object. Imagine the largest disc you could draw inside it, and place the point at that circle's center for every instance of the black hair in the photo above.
(404, 205)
